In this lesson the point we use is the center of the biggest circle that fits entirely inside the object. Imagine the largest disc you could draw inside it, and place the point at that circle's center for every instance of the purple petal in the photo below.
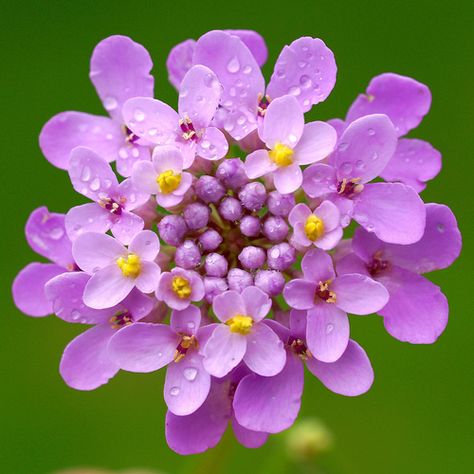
(319, 179)
(365, 148)
(288, 179)
(145, 244)
(283, 122)
(393, 211)
(179, 61)
(414, 163)
(258, 164)
(330, 215)
(128, 156)
(187, 384)
(85, 364)
(143, 347)
(359, 294)
(186, 321)
(203, 429)
(350, 375)
(94, 251)
(129, 195)
(87, 218)
(228, 304)
(403, 99)
(126, 227)
(68, 130)
(265, 353)
(223, 351)
(439, 247)
(317, 266)
(90, 174)
(305, 69)
(144, 177)
(327, 332)
(28, 288)
(351, 263)
(228, 57)
(317, 142)
(248, 438)
(417, 311)
(212, 144)
(338, 124)
(270, 404)
(329, 240)
(45, 233)
(299, 293)
(147, 281)
(254, 42)
(107, 287)
(150, 119)
(65, 294)
(120, 69)
(298, 323)
(299, 214)
(257, 303)
(199, 96)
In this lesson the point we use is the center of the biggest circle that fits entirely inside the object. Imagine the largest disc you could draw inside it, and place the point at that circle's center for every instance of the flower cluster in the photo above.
(218, 252)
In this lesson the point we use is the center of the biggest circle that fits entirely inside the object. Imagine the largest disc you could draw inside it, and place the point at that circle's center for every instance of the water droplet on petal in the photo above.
(86, 173)
(295, 90)
(174, 391)
(371, 131)
(233, 65)
(56, 233)
(75, 315)
(441, 228)
(190, 373)
(247, 70)
(329, 328)
(110, 103)
(123, 153)
(346, 168)
(305, 82)
(139, 115)
(95, 184)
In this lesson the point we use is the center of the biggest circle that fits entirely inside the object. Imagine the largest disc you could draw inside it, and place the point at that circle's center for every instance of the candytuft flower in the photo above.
(207, 246)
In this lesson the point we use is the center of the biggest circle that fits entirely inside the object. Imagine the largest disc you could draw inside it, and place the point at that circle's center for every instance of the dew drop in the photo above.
(371, 131)
(280, 73)
(343, 146)
(302, 64)
(295, 90)
(56, 233)
(152, 132)
(191, 325)
(205, 144)
(174, 391)
(75, 315)
(86, 173)
(233, 65)
(139, 115)
(95, 184)
(346, 167)
(305, 82)
(359, 165)
(247, 69)
(441, 228)
(190, 374)
(110, 103)
(329, 328)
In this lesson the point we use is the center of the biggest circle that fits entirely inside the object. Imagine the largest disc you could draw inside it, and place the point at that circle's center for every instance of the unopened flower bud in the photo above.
(252, 257)
(232, 174)
(188, 255)
(239, 279)
(275, 228)
(214, 286)
(253, 196)
(209, 189)
(230, 209)
(281, 256)
(196, 215)
(270, 281)
(172, 229)
(210, 240)
(216, 265)
(280, 204)
(250, 226)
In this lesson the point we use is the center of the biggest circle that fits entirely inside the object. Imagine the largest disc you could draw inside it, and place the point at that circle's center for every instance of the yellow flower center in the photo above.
(168, 181)
(240, 324)
(281, 155)
(314, 227)
(130, 265)
(181, 287)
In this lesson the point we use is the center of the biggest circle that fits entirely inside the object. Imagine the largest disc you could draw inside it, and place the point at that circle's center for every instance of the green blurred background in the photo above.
(418, 416)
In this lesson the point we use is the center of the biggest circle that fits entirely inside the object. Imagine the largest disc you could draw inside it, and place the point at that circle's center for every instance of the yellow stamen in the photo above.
(314, 227)
(187, 342)
(240, 324)
(281, 155)
(168, 181)
(181, 287)
(130, 265)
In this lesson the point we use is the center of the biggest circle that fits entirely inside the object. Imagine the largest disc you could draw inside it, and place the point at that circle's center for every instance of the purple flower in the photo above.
(328, 298)
(393, 211)
(306, 69)
(115, 269)
(204, 428)
(290, 144)
(256, 409)
(85, 364)
(242, 335)
(46, 235)
(320, 227)
(145, 347)
(179, 287)
(93, 177)
(172, 229)
(164, 177)
(405, 101)
(417, 310)
(120, 69)
(157, 123)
